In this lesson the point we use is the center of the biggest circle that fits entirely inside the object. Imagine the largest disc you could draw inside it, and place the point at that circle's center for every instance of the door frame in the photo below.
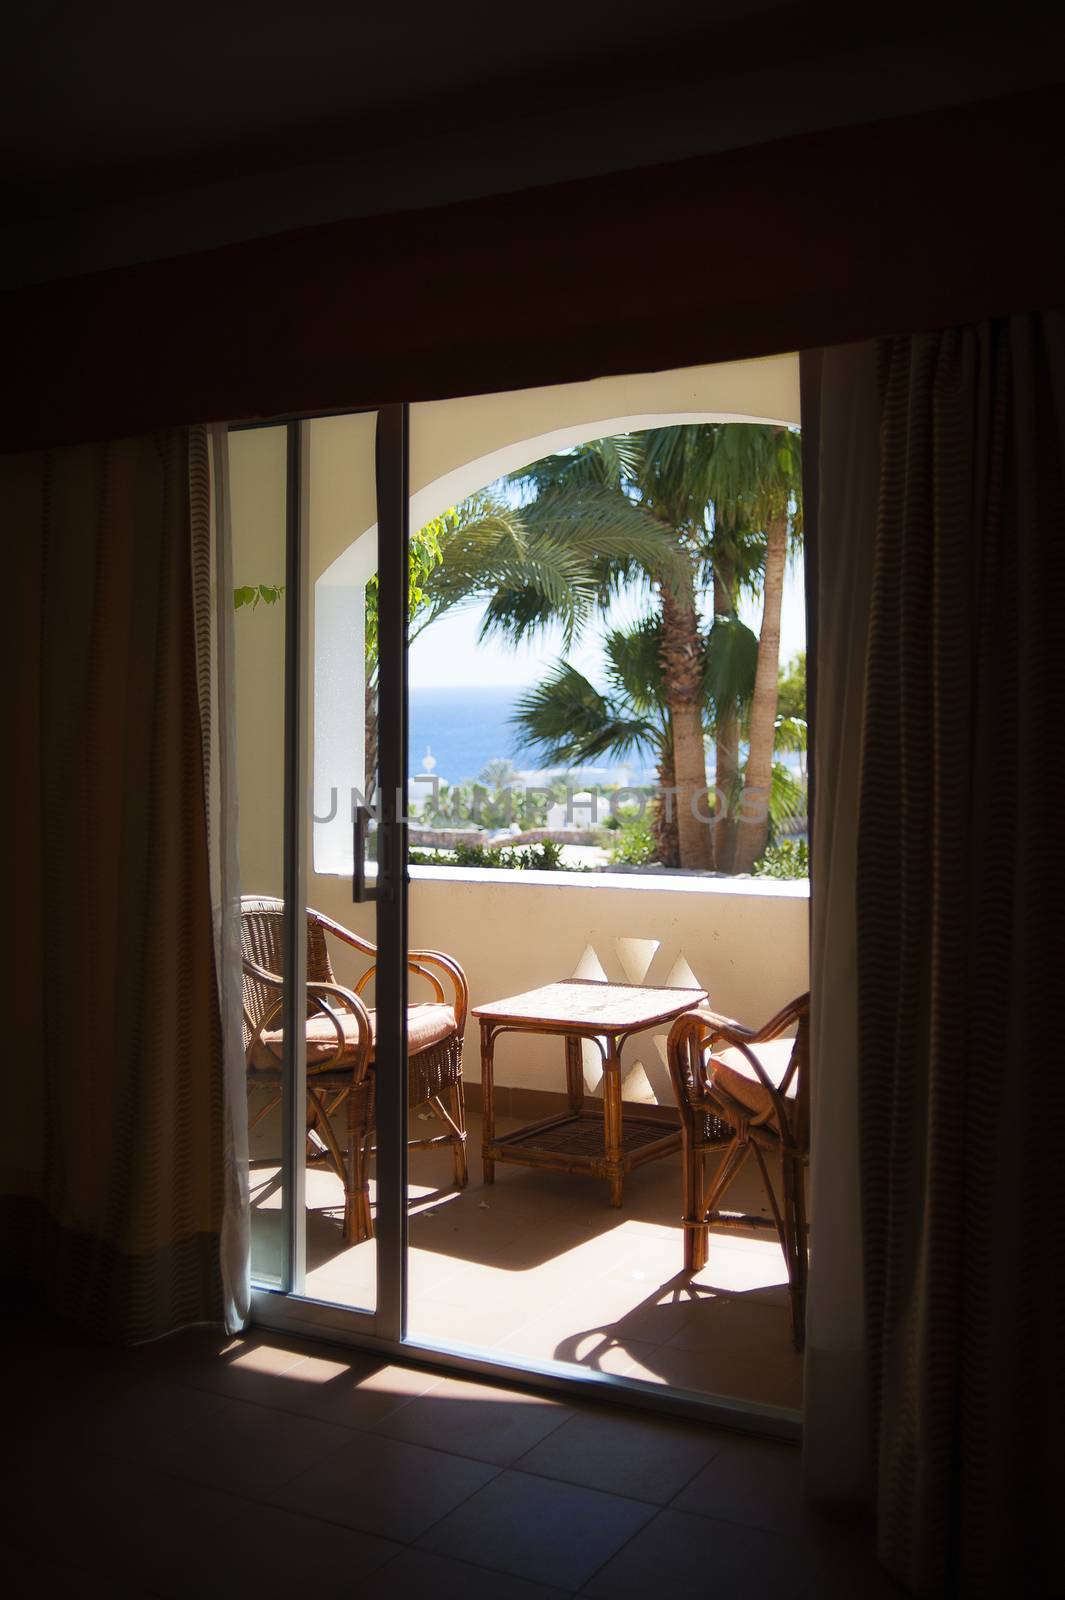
(287, 1308)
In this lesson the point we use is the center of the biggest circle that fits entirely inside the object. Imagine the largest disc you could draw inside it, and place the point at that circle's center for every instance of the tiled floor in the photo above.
(539, 1265)
(267, 1467)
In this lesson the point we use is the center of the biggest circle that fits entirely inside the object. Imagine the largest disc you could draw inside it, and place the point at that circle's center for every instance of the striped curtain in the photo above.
(960, 901)
(111, 1165)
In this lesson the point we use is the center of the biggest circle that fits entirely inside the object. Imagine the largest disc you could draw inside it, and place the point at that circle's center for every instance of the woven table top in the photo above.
(592, 1006)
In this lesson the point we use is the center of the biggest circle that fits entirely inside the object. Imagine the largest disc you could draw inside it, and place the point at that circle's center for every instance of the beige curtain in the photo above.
(841, 469)
(958, 890)
(111, 1162)
(212, 599)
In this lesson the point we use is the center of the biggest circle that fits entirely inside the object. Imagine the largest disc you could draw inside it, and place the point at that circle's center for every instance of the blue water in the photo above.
(465, 728)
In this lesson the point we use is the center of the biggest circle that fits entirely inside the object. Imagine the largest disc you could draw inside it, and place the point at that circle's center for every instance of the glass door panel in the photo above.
(321, 702)
(341, 723)
(258, 466)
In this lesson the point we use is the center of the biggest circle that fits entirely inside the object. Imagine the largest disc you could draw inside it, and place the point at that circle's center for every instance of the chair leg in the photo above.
(698, 1253)
(795, 1201)
(696, 1241)
(458, 1111)
(358, 1225)
(358, 1221)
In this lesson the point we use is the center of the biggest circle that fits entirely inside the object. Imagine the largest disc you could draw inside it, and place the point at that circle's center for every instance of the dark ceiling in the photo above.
(92, 87)
(121, 105)
(216, 75)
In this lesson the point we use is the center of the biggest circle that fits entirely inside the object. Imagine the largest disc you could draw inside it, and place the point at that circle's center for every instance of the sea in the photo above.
(459, 730)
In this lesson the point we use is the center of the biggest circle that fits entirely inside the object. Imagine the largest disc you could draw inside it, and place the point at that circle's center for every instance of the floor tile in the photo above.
(246, 1448)
(132, 1530)
(249, 1367)
(540, 1266)
(345, 1387)
(270, 1554)
(737, 1348)
(751, 1481)
(479, 1325)
(420, 1572)
(130, 1522)
(553, 1533)
(843, 1542)
(475, 1420)
(623, 1453)
(678, 1555)
(385, 1486)
(105, 1417)
(33, 1578)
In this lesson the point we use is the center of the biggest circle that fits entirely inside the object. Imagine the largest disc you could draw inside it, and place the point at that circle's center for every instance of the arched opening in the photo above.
(458, 448)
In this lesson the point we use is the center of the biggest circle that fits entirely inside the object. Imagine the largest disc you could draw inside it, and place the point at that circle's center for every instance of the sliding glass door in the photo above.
(319, 509)
(520, 1266)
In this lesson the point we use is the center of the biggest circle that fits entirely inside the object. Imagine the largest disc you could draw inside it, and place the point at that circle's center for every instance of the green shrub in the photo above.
(545, 857)
(631, 844)
(790, 858)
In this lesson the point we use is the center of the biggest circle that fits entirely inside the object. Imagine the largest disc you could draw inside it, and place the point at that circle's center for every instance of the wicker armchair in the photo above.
(340, 1048)
(744, 1092)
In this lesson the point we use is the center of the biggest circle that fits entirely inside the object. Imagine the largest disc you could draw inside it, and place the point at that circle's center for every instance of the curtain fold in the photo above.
(841, 468)
(112, 1182)
(212, 574)
(959, 900)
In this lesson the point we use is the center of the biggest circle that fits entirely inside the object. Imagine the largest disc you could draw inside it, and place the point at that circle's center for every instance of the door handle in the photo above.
(360, 890)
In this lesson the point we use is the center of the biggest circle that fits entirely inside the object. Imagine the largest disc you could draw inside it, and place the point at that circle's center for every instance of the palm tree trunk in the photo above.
(752, 824)
(727, 752)
(370, 739)
(682, 669)
(663, 821)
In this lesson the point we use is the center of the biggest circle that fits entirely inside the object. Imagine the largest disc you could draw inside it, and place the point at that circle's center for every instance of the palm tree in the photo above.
(760, 471)
(632, 507)
(478, 521)
(670, 508)
(567, 719)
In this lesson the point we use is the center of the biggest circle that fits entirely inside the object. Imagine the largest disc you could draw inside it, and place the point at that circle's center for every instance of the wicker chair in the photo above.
(744, 1092)
(340, 1048)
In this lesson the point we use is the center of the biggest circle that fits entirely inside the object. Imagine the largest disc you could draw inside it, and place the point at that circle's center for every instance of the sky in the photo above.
(448, 654)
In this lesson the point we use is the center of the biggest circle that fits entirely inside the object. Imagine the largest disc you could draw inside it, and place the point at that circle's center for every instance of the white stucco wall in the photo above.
(257, 490)
(746, 942)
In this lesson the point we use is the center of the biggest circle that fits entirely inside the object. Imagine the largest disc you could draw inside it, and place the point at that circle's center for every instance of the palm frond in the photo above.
(730, 665)
(614, 533)
(634, 663)
(566, 721)
(608, 462)
(790, 733)
(787, 797)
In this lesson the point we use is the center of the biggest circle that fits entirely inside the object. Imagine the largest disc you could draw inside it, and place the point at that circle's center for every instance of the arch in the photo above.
(457, 448)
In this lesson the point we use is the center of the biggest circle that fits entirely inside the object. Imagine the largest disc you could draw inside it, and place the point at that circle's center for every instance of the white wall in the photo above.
(341, 517)
(746, 942)
(257, 486)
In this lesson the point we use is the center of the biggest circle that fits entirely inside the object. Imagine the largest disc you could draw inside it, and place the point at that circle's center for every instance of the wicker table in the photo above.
(597, 1142)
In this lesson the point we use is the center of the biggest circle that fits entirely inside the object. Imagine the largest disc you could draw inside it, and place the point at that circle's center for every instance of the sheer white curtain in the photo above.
(841, 446)
(213, 587)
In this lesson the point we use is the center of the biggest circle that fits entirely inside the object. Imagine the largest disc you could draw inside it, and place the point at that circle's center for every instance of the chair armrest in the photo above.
(734, 1033)
(345, 935)
(262, 973)
(694, 1035)
(421, 962)
(319, 995)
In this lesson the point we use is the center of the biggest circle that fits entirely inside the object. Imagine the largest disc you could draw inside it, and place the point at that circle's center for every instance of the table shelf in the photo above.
(575, 1142)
